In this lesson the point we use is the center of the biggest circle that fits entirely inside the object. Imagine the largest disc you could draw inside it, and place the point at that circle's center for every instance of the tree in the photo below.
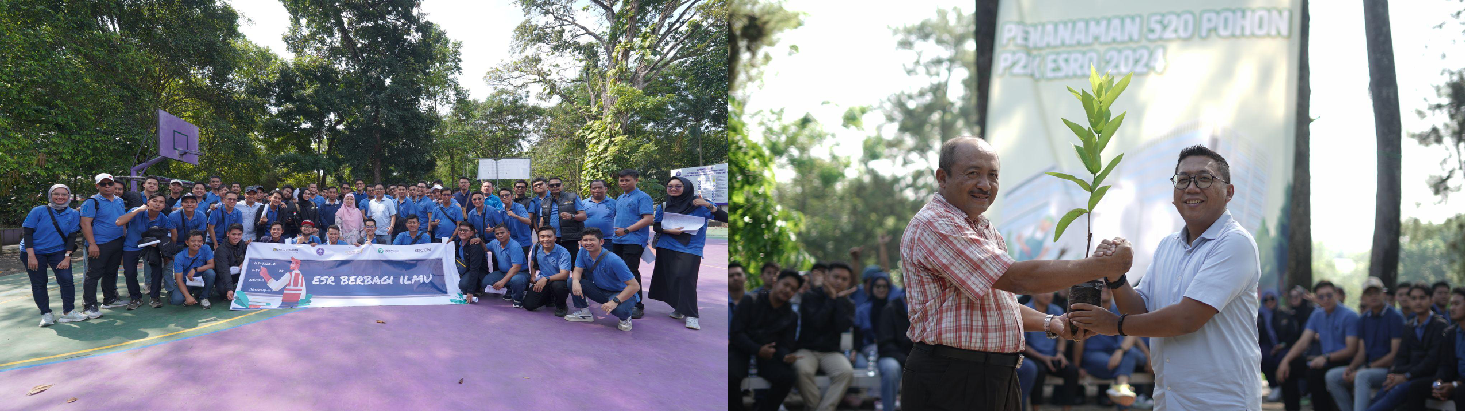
(985, 36)
(1384, 257)
(1448, 135)
(1298, 268)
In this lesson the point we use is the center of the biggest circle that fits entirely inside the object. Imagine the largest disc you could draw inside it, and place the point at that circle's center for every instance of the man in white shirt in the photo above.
(249, 210)
(382, 210)
(1198, 300)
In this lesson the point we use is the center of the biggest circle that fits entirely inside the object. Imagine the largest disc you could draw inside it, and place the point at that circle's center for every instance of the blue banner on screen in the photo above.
(296, 276)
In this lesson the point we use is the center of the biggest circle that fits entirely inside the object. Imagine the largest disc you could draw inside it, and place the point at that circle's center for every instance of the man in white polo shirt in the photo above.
(1198, 300)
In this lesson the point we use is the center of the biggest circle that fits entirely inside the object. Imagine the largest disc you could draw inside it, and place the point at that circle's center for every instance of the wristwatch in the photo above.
(1048, 332)
(616, 299)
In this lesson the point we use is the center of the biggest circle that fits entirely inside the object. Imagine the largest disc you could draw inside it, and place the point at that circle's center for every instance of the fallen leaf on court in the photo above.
(38, 389)
(381, 321)
(71, 400)
(460, 381)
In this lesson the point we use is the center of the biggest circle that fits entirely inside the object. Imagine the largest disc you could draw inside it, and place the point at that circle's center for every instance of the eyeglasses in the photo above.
(1203, 181)
(554, 185)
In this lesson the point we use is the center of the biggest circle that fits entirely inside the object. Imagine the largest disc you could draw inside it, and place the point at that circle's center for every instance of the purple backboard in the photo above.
(177, 139)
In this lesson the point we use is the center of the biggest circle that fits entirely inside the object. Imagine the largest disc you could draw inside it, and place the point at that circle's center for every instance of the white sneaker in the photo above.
(676, 315)
(93, 313)
(74, 316)
(692, 323)
(48, 319)
(205, 302)
(518, 304)
(1275, 394)
(624, 325)
(582, 315)
(1122, 395)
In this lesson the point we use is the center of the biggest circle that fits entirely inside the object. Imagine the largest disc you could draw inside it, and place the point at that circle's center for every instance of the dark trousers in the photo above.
(573, 246)
(471, 283)
(779, 374)
(1318, 388)
(1270, 366)
(554, 291)
(1420, 391)
(129, 271)
(526, 254)
(155, 278)
(38, 280)
(631, 254)
(103, 268)
(931, 382)
(1063, 395)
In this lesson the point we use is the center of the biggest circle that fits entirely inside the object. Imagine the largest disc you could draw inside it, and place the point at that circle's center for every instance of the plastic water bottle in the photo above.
(870, 363)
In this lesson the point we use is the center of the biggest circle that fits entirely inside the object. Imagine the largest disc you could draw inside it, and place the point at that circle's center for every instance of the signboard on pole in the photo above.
(489, 169)
(711, 181)
(177, 139)
(1222, 74)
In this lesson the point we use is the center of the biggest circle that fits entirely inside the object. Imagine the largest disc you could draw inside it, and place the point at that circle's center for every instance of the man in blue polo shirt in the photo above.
(551, 271)
(634, 217)
(1380, 330)
(508, 266)
(1337, 330)
(604, 278)
(104, 238)
(516, 217)
(188, 218)
(139, 221)
(599, 209)
(445, 215)
(221, 217)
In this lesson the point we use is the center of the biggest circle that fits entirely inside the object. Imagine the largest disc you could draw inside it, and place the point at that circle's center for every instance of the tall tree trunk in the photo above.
(1384, 256)
(1298, 269)
(987, 28)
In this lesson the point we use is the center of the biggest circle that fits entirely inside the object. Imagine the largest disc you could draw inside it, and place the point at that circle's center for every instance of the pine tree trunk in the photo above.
(987, 28)
(1299, 266)
(1384, 256)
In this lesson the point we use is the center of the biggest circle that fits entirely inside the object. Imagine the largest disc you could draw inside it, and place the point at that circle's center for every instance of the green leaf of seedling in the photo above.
(1094, 79)
(1090, 103)
(1089, 164)
(1098, 194)
(1114, 92)
(1083, 133)
(1101, 178)
(1076, 94)
(1071, 178)
(1066, 220)
(1109, 130)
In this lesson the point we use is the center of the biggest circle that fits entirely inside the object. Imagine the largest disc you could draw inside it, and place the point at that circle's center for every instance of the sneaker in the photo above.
(74, 316)
(507, 297)
(582, 315)
(518, 304)
(676, 315)
(93, 313)
(560, 313)
(1122, 395)
(156, 303)
(48, 319)
(114, 304)
(205, 303)
(692, 323)
(134, 304)
(636, 313)
(624, 325)
(1275, 395)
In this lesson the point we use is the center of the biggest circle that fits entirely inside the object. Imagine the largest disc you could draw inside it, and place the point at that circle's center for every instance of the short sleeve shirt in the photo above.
(551, 263)
(606, 271)
(630, 207)
(1220, 269)
(186, 223)
(382, 212)
(140, 224)
(47, 240)
(953, 262)
(1333, 328)
(1376, 329)
(104, 214)
(185, 260)
(507, 255)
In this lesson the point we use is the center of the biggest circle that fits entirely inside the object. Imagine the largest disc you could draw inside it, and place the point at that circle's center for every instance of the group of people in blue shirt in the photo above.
(575, 248)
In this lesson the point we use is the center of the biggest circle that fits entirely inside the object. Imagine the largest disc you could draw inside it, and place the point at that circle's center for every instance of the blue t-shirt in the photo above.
(1377, 329)
(185, 260)
(1039, 341)
(46, 238)
(312, 240)
(518, 230)
(551, 263)
(1333, 328)
(104, 214)
(405, 239)
(319, 200)
(204, 204)
(629, 209)
(507, 255)
(447, 217)
(606, 271)
(140, 224)
(693, 246)
(186, 223)
(600, 215)
(484, 220)
(221, 220)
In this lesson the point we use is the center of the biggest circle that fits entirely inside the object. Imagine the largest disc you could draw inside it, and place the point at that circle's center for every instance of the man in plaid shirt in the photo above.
(966, 324)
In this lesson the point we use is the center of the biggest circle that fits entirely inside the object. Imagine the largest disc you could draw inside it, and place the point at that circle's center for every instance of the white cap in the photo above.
(101, 177)
(439, 187)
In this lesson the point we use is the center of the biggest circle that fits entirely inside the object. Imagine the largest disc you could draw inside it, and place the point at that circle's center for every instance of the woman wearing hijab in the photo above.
(305, 210)
(679, 252)
(348, 218)
(47, 241)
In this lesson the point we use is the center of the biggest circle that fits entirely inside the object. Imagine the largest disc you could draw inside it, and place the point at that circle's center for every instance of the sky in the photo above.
(485, 30)
(860, 44)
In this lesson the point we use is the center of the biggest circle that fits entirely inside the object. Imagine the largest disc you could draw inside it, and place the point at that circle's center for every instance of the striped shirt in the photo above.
(952, 262)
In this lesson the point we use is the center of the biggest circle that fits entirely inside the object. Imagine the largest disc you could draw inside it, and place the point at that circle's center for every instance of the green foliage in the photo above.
(1094, 138)
(1433, 252)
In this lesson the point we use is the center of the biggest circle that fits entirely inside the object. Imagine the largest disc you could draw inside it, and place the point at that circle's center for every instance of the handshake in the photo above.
(1116, 255)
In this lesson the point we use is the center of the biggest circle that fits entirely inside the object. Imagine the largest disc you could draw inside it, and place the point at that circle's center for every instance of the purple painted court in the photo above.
(342, 359)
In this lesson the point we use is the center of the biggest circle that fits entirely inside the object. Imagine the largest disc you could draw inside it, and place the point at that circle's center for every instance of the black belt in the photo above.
(995, 359)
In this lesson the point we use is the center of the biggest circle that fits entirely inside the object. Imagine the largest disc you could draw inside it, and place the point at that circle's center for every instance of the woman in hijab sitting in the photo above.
(679, 251)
